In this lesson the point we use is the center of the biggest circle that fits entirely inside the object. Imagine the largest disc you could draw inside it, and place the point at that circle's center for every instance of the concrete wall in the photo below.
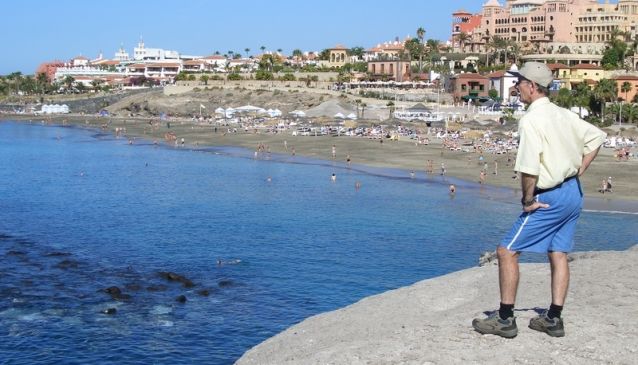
(186, 86)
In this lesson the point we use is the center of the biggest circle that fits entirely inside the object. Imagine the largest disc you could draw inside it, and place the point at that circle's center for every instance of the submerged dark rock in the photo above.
(15, 253)
(171, 276)
(116, 293)
(181, 299)
(154, 288)
(225, 283)
(113, 290)
(133, 286)
(57, 254)
(67, 264)
(203, 292)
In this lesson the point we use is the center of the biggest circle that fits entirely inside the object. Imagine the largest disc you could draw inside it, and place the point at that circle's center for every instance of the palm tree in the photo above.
(363, 109)
(515, 50)
(246, 50)
(205, 79)
(68, 81)
(500, 46)
(462, 38)
(625, 87)
(582, 97)
(390, 105)
(488, 44)
(495, 43)
(42, 80)
(29, 85)
(16, 77)
(603, 92)
(96, 84)
(263, 48)
(564, 98)
(630, 112)
(433, 49)
(420, 34)
(297, 53)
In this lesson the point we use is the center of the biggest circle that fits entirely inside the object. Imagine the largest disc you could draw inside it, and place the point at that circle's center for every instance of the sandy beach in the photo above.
(402, 154)
(430, 321)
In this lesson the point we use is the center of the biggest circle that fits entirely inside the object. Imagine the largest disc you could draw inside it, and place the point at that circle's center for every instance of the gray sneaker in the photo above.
(494, 325)
(553, 327)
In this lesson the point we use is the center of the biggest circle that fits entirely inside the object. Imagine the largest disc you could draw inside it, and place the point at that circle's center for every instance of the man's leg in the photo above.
(503, 323)
(550, 321)
(560, 276)
(507, 274)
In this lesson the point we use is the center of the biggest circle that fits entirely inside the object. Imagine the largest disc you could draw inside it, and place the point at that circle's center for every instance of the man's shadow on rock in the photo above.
(538, 310)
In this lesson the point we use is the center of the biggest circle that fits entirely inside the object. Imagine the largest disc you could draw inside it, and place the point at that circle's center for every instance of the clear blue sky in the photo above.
(35, 31)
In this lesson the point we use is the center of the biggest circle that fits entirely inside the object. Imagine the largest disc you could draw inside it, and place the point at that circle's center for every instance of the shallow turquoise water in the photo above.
(81, 211)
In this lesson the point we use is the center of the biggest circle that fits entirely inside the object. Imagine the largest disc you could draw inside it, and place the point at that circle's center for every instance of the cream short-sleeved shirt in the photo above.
(553, 141)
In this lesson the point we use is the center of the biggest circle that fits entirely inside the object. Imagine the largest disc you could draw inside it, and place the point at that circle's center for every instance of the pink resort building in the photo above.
(566, 31)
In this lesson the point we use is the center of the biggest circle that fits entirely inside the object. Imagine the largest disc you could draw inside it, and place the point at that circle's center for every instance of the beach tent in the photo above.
(229, 112)
(250, 109)
(351, 116)
(419, 107)
(339, 116)
(220, 110)
(298, 113)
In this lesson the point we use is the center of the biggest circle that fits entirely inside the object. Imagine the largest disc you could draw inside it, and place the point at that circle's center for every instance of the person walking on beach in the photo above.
(603, 186)
(556, 147)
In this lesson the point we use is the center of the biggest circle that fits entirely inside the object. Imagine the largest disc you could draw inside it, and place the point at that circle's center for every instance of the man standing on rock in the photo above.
(556, 147)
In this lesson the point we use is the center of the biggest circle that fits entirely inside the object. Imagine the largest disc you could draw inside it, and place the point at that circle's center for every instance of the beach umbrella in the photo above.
(351, 116)
(339, 116)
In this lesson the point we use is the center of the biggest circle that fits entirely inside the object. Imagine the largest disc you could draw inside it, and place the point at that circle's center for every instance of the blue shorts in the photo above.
(548, 229)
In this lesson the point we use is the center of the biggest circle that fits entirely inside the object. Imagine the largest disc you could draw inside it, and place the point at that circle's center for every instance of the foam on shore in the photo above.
(430, 322)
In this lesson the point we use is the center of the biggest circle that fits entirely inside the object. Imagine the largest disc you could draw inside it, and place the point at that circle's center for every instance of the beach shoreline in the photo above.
(403, 155)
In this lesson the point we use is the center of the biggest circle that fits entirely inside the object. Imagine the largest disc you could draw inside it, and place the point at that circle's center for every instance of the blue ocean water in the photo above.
(82, 211)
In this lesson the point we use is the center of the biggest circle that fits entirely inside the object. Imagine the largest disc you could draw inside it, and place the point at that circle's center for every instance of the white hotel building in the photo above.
(157, 64)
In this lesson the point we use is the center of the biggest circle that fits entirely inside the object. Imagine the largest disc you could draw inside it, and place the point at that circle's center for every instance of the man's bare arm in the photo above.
(528, 184)
(587, 159)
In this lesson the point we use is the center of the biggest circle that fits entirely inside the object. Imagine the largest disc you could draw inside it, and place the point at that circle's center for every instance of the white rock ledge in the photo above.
(430, 321)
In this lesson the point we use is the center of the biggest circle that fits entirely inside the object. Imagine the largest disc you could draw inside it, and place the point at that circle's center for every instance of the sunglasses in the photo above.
(519, 82)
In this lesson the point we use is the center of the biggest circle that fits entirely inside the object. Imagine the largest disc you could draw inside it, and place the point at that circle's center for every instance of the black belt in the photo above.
(541, 191)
